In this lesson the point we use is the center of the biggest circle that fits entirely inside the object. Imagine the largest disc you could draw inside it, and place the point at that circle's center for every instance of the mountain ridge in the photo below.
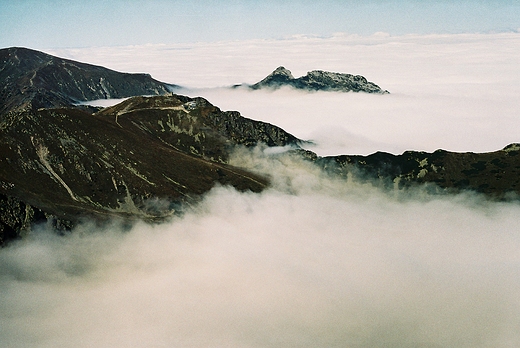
(317, 80)
(148, 156)
(141, 159)
(33, 79)
(66, 163)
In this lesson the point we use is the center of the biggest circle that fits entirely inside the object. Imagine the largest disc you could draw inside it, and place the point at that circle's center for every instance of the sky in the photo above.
(57, 23)
(313, 261)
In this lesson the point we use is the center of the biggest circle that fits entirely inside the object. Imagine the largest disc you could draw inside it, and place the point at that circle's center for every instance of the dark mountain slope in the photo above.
(496, 174)
(60, 163)
(32, 79)
(194, 126)
(68, 164)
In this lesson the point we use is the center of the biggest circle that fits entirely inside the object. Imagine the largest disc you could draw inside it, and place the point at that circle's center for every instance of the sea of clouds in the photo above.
(314, 261)
(455, 92)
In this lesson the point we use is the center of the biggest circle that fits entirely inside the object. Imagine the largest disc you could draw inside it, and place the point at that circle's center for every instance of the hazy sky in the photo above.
(58, 23)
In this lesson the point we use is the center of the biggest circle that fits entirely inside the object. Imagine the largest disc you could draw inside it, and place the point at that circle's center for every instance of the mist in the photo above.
(451, 92)
(312, 262)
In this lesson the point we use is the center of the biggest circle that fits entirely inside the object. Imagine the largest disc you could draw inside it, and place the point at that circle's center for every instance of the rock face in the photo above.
(495, 174)
(319, 80)
(32, 80)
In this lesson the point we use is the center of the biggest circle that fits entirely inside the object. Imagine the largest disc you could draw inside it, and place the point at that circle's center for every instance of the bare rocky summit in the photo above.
(318, 80)
(33, 79)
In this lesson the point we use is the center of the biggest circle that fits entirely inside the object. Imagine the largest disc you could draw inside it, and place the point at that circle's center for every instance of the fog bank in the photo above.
(455, 92)
(312, 262)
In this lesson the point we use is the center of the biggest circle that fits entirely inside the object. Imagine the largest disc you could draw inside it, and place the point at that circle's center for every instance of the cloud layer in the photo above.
(313, 262)
(455, 92)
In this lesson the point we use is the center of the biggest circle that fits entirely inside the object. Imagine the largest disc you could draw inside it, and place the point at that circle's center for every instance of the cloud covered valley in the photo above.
(315, 260)
(452, 92)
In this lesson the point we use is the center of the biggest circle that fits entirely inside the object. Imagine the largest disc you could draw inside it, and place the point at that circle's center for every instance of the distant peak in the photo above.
(280, 76)
(282, 71)
(319, 80)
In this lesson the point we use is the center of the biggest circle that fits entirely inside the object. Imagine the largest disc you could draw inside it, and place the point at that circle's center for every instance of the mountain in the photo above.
(33, 79)
(149, 156)
(318, 80)
(141, 158)
(495, 174)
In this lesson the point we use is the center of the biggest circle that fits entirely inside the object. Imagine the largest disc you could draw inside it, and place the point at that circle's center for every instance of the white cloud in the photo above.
(456, 92)
(313, 262)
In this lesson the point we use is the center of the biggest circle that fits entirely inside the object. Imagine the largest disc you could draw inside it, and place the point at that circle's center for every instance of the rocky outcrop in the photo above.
(195, 126)
(318, 80)
(17, 219)
(495, 174)
(33, 79)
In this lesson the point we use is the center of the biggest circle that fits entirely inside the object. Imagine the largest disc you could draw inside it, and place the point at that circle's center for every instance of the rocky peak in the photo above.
(319, 80)
(279, 77)
(282, 71)
(330, 81)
